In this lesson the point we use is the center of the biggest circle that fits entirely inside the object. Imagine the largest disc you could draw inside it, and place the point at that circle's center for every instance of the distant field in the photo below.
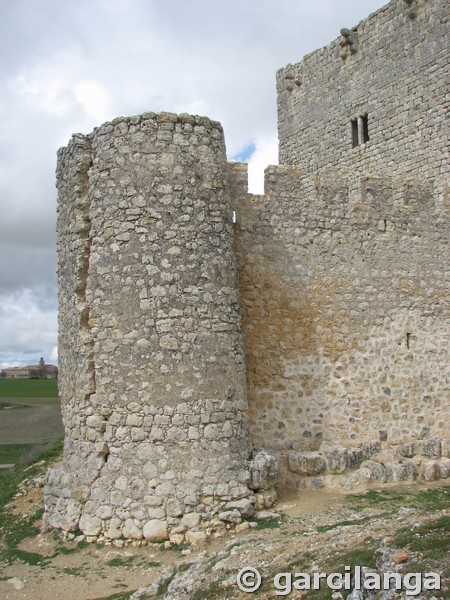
(14, 453)
(28, 388)
(30, 418)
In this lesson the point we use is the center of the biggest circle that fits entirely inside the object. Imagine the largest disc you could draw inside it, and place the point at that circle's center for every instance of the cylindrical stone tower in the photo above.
(152, 376)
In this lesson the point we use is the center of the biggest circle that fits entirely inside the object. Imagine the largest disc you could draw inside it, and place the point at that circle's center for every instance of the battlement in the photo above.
(377, 104)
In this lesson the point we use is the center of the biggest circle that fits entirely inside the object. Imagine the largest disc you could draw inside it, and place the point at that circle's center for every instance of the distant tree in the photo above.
(42, 368)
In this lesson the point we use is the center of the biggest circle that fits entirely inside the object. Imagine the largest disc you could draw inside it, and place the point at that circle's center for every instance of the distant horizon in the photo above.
(26, 363)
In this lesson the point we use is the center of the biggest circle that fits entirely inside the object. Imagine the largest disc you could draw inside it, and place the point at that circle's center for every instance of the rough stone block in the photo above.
(90, 525)
(336, 456)
(306, 463)
(131, 530)
(230, 516)
(244, 506)
(408, 450)
(376, 472)
(191, 520)
(195, 538)
(263, 470)
(356, 457)
(405, 471)
(265, 499)
(431, 470)
(155, 530)
(431, 448)
(444, 468)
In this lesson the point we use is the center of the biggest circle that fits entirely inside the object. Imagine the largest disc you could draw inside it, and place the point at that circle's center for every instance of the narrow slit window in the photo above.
(365, 128)
(354, 126)
(360, 130)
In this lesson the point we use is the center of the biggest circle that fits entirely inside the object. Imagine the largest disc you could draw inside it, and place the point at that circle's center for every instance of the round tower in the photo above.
(152, 376)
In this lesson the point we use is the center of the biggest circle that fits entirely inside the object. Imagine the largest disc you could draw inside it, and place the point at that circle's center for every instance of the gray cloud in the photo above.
(68, 66)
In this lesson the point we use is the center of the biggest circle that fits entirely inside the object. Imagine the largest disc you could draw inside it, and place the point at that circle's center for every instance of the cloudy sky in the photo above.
(69, 65)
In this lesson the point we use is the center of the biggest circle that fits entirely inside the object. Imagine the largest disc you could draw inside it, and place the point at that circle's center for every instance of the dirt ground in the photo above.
(315, 528)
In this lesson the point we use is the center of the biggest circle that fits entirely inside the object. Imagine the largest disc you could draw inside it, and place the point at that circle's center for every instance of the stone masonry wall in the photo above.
(152, 365)
(392, 68)
(323, 303)
(343, 289)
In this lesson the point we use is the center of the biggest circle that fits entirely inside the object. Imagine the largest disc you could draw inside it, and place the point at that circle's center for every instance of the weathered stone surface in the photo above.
(195, 538)
(336, 456)
(267, 515)
(244, 506)
(230, 516)
(377, 472)
(356, 457)
(405, 471)
(431, 448)
(408, 450)
(430, 470)
(131, 530)
(155, 530)
(444, 468)
(263, 470)
(265, 499)
(151, 343)
(191, 520)
(90, 525)
(306, 463)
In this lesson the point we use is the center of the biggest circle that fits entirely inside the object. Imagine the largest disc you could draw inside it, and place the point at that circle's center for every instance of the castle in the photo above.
(214, 343)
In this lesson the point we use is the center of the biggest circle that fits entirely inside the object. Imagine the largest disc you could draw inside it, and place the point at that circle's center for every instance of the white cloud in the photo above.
(28, 326)
(54, 355)
(94, 98)
(67, 66)
(266, 153)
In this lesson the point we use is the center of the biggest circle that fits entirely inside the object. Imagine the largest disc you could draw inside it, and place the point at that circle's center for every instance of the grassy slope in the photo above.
(28, 388)
(30, 418)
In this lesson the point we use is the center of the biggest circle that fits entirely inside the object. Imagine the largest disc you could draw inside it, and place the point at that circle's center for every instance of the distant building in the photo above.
(40, 371)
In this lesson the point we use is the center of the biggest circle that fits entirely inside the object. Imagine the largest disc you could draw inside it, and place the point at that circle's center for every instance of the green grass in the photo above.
(431, 538)
(13, 529)
(268, 523)
(28, 388)
(9, 480)
(431, 499)
(119, 596)
(121, 561)
(323, 528)
(174, 547)
(215, 590)
(14, 453)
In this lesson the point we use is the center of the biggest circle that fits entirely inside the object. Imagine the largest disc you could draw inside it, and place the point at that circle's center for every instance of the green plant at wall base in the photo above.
(121, 561)
(269, 524)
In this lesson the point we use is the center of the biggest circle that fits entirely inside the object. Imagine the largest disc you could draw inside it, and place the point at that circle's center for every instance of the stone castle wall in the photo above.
(344, 304)
(200, 324)
(344, 262)
(151, 353)
(393, 71)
